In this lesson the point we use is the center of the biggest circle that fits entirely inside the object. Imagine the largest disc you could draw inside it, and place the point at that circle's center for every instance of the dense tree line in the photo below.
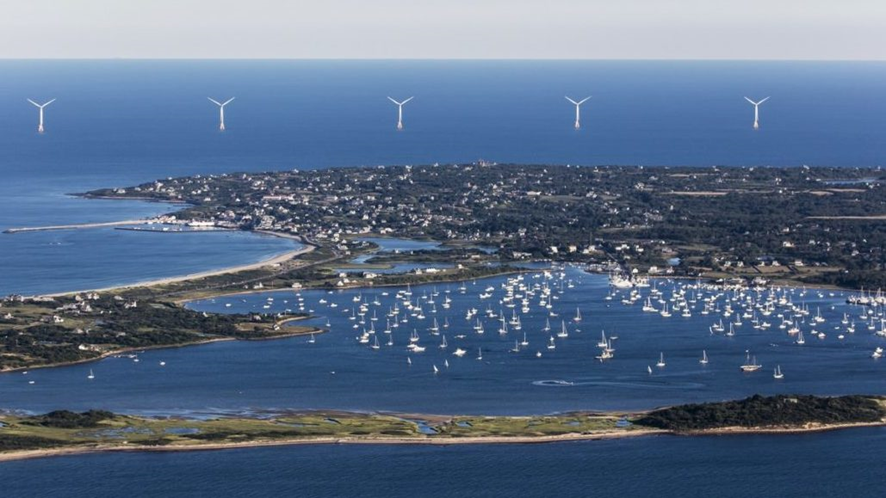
(771, 411)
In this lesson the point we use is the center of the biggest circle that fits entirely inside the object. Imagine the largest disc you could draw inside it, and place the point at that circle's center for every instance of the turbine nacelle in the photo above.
(40, 106)
(756, 111)
(578, 110)
(221, 111)
(400, 111)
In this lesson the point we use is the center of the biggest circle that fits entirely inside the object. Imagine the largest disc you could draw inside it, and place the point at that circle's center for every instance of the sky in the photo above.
(444, 29)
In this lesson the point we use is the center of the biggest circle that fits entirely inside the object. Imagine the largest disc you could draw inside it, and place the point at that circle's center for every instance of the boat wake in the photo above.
(652, 384)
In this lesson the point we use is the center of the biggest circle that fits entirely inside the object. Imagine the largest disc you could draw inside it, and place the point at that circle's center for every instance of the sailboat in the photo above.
(563, 333)
(551, 344)
(649, 369)
(778, 374)
(800, 339)
(751, 364)
(91, 375)
(577, 315)
(312, 340)
(436, 370)
(704, 357)
(443, 344)
(375, 343)
(525, 342)
(661, 363)
(602, 343)
(479, 353)
(409, 361)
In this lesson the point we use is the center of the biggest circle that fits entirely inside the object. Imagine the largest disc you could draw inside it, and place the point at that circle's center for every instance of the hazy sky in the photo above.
(575, 29)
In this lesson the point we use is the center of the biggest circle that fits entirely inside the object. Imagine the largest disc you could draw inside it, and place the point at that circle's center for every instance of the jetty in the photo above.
(79, 226)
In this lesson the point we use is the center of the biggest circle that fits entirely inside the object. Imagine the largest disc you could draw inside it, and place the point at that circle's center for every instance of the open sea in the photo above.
(118, 123)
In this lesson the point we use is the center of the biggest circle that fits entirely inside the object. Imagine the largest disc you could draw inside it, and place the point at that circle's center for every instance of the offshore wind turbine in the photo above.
(578, 110)
(756, 111)
(40, 124)
(221, 111)
(400, 111)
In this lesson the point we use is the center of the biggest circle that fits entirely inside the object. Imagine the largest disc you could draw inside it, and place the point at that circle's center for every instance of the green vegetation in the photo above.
(105, 430)
(773, 411)
(36, 332)
(821, 225)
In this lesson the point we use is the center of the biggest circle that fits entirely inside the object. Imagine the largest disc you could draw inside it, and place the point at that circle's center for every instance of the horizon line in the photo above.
(431, 59)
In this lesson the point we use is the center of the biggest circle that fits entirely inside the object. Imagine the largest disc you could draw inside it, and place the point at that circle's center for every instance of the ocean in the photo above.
(118, 123)
(835, 464)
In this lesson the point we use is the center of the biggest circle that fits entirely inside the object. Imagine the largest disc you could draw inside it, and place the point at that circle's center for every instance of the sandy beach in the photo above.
(272, 261)
(432, 440)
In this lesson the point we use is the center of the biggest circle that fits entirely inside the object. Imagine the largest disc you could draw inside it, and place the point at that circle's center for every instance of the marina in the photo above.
(387, 350)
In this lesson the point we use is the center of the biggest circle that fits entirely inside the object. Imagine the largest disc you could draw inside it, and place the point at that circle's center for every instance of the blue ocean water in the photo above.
(117, 123)
(836, 464)
(337, 372)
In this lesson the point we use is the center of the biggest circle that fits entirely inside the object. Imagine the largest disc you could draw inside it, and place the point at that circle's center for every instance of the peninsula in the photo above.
(64, 432)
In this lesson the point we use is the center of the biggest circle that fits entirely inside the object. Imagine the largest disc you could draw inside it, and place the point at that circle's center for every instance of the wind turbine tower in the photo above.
(578, 110)
(756, 111)
(40, 124)
(221, 111)
(400, 111)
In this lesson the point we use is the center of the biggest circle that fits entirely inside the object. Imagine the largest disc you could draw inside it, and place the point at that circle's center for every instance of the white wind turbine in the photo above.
(221, 111)
(578, 110)
(756, 111)
(400, 111)
(40, 124)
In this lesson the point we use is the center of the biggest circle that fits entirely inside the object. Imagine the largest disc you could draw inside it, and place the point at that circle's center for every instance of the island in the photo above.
(64, 432)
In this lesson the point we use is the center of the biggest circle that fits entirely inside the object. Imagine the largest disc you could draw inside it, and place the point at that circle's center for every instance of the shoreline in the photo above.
(270, 261)
(431, 440)
(209, 340)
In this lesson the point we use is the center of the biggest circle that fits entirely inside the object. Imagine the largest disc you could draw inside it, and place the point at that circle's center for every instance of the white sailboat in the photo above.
(661, 363)
(479, 353)
(704, 357)
(778, 374)
(750, 364)
(602, 343)
(91, 375)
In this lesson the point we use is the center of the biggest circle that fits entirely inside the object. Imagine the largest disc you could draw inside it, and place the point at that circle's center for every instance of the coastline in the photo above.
(271, 261)
(209, 340)
(432, 440)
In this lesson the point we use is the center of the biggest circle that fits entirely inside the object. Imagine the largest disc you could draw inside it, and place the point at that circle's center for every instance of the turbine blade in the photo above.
(574, 102)
(751, 101)
(51, 101)
(31, 101)
(394, 101)
(214, 101)
(229, 101)
(407, 100)
(764, 100)
(583, 101)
